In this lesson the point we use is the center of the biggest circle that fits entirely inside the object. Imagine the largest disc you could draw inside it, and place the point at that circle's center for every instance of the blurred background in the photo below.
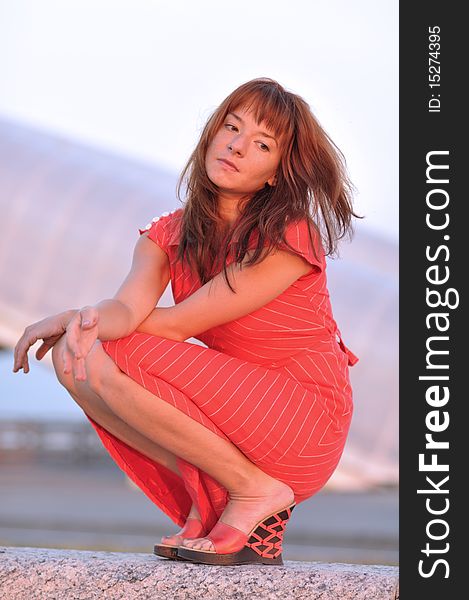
(101, 104)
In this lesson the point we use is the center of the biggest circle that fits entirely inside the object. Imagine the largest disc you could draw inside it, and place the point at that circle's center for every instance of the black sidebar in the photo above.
(434, 238)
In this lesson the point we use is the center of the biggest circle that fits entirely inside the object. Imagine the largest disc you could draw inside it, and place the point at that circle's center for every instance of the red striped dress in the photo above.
(274, 382)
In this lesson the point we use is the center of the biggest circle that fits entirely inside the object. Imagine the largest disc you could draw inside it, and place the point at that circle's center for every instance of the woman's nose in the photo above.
(237, 145)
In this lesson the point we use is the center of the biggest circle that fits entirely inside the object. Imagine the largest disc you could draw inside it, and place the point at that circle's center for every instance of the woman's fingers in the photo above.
(73, 339)
(18, 355)
(80, 336)
(16, 358)
(46, 345)
(67, 361)
(72, 364)
(21, 352)
(49, 330)
(80, 370)
(42, 351)
(76, 366)
(89, 317)
(25, 363)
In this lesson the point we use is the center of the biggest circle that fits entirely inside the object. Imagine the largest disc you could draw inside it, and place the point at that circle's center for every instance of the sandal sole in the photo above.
(165, 551)
(245, 556)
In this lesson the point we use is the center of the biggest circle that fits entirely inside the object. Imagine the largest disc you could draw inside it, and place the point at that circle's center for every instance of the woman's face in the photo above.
(252, 150)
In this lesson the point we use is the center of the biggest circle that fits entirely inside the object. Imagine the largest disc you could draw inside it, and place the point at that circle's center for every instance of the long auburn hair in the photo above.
(311, 183)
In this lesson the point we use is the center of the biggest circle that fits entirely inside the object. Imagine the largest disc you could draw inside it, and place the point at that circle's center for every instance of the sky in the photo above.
(140, 77)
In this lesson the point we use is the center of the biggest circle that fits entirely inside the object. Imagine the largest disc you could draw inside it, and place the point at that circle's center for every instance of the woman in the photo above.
(225, 439)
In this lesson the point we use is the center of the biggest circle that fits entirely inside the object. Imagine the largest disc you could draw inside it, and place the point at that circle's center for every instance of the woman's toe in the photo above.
(172, 540)
(198, 544)
(207, 546)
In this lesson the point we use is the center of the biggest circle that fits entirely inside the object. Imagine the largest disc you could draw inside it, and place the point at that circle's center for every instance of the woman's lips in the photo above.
(229, 166)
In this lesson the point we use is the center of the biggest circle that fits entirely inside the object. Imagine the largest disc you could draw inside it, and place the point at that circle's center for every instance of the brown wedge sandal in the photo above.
(192, 529)
(263, 545)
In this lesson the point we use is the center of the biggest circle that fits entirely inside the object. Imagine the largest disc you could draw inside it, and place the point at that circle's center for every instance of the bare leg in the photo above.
(94, 406)
(98, 410)
(253, 493)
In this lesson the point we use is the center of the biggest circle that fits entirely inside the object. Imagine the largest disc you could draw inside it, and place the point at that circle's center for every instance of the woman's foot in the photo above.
(176, 539)
(245, 511)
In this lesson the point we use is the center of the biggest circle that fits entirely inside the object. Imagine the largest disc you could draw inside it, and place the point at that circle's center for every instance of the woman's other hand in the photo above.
(50, 330)
(80, 335)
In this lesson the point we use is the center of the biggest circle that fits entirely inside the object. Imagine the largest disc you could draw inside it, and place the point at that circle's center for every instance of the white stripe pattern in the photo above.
(274, 382)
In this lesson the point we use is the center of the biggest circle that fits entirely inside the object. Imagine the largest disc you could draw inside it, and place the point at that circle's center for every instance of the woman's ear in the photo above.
(272, 181)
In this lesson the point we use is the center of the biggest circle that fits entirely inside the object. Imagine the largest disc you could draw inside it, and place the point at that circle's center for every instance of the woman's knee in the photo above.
(98, 366)
(101, 370)
(65, 379)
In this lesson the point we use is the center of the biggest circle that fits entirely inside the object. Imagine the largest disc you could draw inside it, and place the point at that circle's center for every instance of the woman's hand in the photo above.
(50, 330)
(81, 334)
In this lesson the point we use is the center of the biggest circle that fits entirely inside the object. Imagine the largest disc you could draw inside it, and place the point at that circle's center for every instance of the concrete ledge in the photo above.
(45, 574)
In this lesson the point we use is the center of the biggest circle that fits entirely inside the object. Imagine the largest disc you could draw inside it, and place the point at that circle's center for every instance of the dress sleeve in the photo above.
(157, 230)
(297, 236)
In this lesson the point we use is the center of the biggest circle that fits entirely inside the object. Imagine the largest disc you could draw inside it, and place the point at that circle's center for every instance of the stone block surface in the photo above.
(47, 574)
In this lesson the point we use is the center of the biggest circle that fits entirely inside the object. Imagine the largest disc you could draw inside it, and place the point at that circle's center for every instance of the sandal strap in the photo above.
(193, 528)
(226, 539)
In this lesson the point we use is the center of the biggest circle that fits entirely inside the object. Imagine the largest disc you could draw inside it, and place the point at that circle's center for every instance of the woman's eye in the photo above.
(263, 147)
(231, 127)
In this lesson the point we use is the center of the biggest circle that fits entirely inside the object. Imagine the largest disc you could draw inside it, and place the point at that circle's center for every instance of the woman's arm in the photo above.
(139, 293)
(160, 322)
(214, 303)
(118, 317)
(113, 318)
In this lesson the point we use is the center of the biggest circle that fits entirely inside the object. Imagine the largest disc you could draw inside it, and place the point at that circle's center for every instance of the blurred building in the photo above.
(69, 219)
